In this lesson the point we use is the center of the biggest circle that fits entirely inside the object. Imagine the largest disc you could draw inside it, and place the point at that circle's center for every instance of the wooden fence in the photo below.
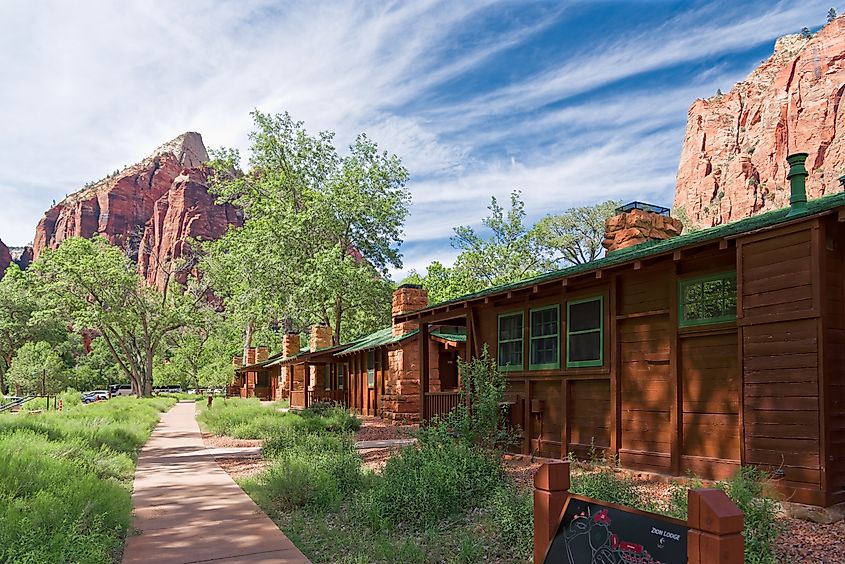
(440, 403)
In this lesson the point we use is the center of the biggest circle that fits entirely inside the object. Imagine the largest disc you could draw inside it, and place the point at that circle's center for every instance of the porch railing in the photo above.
(328, 396)
(440, 403)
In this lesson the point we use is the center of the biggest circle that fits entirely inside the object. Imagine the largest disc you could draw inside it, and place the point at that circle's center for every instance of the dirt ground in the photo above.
(377, 429)
(216, 441)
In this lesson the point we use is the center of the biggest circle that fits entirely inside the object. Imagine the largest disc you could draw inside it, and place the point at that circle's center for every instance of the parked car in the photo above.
(96, 395)
(121, 390)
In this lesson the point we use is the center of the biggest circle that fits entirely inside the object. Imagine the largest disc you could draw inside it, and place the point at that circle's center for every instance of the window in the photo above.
(708, 299)
(510, 342)
(545, 338)
(584, 334)
(327, 376)
(371, 369)
(341, 376)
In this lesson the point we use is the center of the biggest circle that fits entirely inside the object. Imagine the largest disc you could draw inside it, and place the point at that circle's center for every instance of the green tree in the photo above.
(320, 229)
(831, 15)
(38, 369)
(21, 320)
(575, 236)
(94, 285)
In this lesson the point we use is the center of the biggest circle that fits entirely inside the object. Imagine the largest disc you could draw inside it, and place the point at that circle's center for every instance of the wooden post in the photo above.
(715, 528)
(423, 364)
(551, 488)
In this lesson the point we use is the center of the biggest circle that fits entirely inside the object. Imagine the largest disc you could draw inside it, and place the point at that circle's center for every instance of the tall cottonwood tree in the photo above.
(575, 236)
(94, 285)
(320, 231)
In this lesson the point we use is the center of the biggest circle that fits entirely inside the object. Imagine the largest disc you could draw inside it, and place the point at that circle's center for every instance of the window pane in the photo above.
(510, 354)
(585, 346)
(544, 322)
(712, 299)
(371, 360)
(692, 311)
(371, 378)
(510, 327)
(585, 315)
(544, 351)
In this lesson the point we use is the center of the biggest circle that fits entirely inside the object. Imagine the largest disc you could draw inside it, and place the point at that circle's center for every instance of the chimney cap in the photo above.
(411, 286)
(635, 205)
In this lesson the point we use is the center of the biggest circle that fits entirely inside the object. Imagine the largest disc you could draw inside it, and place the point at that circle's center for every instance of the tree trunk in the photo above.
(338, 318)
(250, 329)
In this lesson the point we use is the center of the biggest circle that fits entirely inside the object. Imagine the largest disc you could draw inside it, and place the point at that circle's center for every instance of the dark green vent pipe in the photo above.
(797, 181)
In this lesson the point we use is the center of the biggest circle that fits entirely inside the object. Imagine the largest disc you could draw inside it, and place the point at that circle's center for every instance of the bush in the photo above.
(512, 512)
(607, 485)
(437, 479)
(310, 469)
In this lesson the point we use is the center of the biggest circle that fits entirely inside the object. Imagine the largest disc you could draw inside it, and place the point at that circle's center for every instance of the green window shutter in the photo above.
(544, 350)
(510, 342)
(585, 332)
(707, 299)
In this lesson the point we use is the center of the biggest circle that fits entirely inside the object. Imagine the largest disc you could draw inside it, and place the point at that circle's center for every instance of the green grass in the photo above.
(66, 477)
(252, 419)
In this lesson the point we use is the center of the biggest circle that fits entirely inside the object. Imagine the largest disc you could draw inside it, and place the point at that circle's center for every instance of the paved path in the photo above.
(187, 509)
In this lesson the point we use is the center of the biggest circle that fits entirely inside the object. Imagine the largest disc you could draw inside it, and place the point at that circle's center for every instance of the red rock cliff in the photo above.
(150, 208)
(5, 258)
(733, 162)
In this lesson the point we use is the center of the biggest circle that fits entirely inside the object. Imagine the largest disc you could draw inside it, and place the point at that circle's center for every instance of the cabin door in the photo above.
(448, 369)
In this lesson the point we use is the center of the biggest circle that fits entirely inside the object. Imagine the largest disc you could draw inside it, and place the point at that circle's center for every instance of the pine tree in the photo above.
(831, 15)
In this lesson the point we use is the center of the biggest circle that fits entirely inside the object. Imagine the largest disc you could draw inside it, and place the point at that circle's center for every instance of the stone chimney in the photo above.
(262, 354)
(237, 361)
(407, 298)
(320, 338)
(637, 223)
(290, 344)
(250, 356)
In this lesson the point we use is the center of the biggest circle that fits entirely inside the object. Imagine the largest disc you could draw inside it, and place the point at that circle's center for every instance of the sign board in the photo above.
(592, 531)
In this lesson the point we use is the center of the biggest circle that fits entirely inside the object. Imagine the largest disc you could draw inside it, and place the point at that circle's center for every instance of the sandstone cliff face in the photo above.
(149, 208)
(733, 162)
(186, 211)
(5, 258)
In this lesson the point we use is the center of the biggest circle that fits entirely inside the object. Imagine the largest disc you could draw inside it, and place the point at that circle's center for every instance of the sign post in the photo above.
(573, 529)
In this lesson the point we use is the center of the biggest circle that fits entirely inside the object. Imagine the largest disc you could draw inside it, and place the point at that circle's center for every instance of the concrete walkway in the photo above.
(187, 509)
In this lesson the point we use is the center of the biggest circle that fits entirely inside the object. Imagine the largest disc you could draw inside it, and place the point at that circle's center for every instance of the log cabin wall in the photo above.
(779, 313)
(833, 330)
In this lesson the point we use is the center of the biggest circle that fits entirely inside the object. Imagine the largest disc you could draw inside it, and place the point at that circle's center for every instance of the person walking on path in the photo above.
(187, 509)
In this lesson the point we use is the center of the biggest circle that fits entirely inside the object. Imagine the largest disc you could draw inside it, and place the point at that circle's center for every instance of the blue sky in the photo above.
(569, 102)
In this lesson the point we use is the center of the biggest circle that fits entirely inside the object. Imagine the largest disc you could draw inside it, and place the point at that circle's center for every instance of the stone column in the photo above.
(551, 488)
(715, 528)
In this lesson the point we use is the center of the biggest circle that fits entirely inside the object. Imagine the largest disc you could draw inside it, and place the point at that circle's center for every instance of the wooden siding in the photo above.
(589, 416)
(833, 320)
(780, 328)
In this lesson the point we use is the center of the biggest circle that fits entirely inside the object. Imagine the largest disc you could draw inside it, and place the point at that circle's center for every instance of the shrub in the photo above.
(437, 479)
(314, 470)
(607, 485)
(512, 512)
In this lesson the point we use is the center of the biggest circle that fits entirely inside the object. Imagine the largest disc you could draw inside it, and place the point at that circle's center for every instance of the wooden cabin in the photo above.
(695, 353)
(256, 376)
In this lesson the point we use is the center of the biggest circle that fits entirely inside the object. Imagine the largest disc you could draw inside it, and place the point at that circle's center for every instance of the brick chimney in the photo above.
(250, 357)
(262, 354)
(320, 338)
(637, 223)
(407, 298)
(290, 344)
(237, 361)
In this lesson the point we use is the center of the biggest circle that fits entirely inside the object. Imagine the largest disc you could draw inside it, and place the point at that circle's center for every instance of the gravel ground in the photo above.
(376, 429)
(220, 441)
(242, 467)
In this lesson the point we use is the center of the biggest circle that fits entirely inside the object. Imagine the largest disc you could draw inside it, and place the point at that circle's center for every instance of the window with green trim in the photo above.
(707, 299)
(585, 332)
(545, 338)
(510, 342)
(371, 369)
(341, 376)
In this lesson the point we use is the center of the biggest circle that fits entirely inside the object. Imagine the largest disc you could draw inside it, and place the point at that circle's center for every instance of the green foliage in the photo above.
(512, 512)
(575, 236)
(608, 485)
(341, 218)
(317, 470)
(479, 417)
(249, 419)
(438, 479)
(689, 225)
(37, 369)
(65, 480)
(831, 15)
(89, 283)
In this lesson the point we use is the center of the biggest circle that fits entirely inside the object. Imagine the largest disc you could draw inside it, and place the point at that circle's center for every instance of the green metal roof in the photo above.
(380, 338)
(654, 248)
(284, 358)
(450, 336)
